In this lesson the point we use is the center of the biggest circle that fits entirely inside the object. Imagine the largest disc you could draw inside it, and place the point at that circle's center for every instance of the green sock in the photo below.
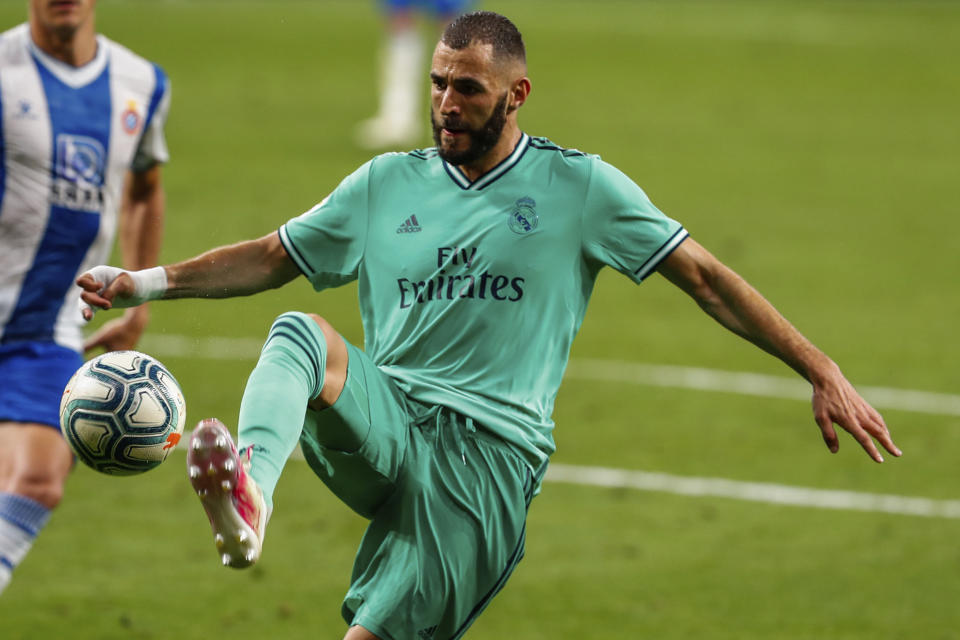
(289, 373)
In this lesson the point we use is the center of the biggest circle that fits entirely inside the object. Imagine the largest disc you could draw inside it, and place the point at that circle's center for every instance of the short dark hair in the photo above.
(486, 27)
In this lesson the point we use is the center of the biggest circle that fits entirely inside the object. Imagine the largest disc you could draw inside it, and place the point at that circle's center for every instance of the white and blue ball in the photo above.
(122, 413)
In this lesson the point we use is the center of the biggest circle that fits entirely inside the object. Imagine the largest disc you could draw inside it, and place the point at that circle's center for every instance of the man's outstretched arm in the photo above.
(739, 307)
(240, 269)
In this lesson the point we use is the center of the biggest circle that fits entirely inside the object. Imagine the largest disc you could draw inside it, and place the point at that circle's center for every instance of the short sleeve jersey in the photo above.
(471, 292)
(68, 137)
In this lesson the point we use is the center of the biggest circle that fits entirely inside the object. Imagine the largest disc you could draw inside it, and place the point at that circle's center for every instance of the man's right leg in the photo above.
(34, 464)
(302, 360)
(35, 460)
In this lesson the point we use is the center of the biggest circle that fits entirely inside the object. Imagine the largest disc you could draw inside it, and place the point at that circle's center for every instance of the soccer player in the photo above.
(475, 261)
(397, 122)
(81, 137)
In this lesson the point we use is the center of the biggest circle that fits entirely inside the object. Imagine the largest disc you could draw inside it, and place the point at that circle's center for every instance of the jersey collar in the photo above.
(74, 77)
(490, 176)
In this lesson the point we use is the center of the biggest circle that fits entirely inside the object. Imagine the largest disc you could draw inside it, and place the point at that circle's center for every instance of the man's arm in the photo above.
(240, 269)
(736, 305)
(140, 235)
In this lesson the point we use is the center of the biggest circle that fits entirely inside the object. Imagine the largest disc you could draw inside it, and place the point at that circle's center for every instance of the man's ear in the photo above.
(519, 93)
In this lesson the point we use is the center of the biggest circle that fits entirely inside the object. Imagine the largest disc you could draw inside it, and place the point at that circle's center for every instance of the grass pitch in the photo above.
(811, 145)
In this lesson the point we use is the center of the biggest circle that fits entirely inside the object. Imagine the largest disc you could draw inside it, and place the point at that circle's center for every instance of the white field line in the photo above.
(676, 377)
(752, 384)
(753, 491)
(762, 492)
(638, 373)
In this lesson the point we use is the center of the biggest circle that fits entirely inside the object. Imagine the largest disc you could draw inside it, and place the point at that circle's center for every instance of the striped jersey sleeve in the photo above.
(622, 228)
(328, 241)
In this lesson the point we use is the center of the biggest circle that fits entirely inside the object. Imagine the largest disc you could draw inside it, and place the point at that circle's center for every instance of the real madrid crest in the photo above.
(523, 218)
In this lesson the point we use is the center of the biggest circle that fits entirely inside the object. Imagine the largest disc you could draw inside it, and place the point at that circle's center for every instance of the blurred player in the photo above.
(475, 262)
(81, 129)
(398, 122)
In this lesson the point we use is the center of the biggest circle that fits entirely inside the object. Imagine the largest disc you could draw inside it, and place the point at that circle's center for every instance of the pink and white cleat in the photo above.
(234, 503)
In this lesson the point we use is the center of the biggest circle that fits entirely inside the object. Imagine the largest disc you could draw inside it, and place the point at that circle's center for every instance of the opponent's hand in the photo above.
(105, 287)
(120, 333)
(835, 401)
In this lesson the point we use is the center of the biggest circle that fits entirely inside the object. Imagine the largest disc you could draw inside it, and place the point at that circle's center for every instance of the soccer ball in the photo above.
(122, 413)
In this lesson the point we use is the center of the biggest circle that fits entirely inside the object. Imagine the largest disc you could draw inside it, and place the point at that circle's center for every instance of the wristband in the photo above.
(149, 284)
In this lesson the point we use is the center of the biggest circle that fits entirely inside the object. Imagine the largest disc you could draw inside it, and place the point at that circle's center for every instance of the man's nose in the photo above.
(448, 103)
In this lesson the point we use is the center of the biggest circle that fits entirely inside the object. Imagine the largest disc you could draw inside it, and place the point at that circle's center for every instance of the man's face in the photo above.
(469, 102)
(63, 17)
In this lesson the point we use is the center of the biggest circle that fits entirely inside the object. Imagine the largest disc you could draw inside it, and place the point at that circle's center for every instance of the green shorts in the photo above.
(447, 504)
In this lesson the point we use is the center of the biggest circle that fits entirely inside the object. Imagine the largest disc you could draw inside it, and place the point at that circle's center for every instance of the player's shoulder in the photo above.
(573, 164)
(120, 52)
(549, 155)
(126, 63)
(421, 162)
(544, 149)
(413, 157)
(551, 148)
(13, 45)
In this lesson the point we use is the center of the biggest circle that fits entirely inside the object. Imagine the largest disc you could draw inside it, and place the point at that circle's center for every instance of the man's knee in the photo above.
(320, 347)
(335, 376)
(34, 462)
(45, 488)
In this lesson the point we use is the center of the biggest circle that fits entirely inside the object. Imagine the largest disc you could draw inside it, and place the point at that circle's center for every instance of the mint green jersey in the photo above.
(471, 292)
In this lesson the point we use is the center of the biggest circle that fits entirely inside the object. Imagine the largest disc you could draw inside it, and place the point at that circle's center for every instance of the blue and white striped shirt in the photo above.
(68, 136)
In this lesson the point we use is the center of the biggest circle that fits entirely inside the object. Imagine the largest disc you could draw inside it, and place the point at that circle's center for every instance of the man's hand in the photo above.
(106, 287)
(121, 333)
(835, 401)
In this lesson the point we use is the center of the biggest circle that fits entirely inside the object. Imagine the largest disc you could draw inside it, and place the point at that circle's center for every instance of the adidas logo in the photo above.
(410, 225)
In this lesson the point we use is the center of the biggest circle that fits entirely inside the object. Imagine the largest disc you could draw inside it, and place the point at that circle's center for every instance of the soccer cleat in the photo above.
(234, 503)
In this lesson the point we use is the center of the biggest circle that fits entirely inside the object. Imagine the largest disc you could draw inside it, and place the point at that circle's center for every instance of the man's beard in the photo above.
(481, 140)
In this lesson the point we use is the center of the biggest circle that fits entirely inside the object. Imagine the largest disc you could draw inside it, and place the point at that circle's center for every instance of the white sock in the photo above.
(401, 81)
(21, 519)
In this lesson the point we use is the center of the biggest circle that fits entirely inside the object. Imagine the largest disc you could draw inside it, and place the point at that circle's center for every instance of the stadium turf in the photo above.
(813, 146)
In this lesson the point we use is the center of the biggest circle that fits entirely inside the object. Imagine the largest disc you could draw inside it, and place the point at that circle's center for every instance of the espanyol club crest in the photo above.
(523, 218)
(130, 118)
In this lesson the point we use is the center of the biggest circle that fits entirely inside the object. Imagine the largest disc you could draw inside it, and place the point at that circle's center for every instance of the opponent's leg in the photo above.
(34, 464)
(397, 121)
(303, 360)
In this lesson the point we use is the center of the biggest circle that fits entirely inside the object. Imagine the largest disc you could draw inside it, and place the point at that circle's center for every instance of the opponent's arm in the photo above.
(240, 269)
(140, 235)
(739, 307)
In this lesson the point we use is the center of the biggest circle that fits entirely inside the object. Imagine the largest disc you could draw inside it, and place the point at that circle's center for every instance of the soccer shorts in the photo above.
(447, 504)
(32, 378)
(439, 8)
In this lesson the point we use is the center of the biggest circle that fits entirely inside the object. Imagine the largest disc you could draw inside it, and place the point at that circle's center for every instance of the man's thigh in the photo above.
(356, 446)
(32, 378)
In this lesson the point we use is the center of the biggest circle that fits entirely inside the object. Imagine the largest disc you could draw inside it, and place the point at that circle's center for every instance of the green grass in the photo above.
(813, 146)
